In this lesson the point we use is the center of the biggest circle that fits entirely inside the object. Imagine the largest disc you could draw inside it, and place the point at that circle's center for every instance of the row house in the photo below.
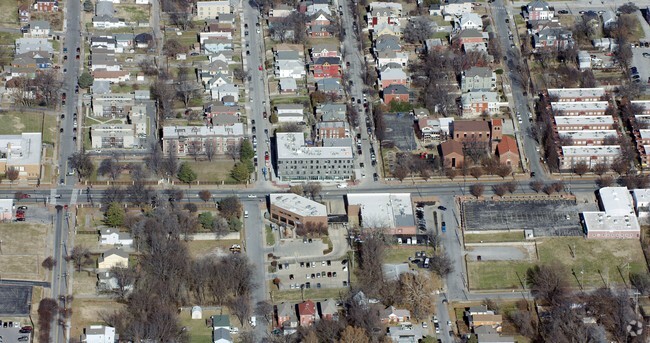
(570, 156)
(384, 13)
(539, 10)
(588, 137)
(384, 57)
(575, 123)
(326, 67)
(330, 85)
(290, 113)
(580, 108)
(391, 74)
(46, 5)
(332, 129)
(324, 50)
(478, 79)
(643, 104)
(478, 102)
(190, 140)
(386, 43)
(576, 94)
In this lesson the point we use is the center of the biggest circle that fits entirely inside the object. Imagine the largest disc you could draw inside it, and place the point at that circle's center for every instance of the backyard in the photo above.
(592, 263)
(87, 312)
(197, 329)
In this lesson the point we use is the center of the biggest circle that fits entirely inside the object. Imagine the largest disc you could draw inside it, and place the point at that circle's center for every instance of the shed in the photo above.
(197, 312)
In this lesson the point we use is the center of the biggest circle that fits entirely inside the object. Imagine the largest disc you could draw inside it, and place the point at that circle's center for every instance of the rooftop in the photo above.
(603, 150)
(384, 210)
(616, 200)
(471, 125)
(573, 93)
(587, 134)
(297, 204)
(601, 221)
(580, 106)
(292, 146)
(583, 120)
(21, 149)
(174, 132)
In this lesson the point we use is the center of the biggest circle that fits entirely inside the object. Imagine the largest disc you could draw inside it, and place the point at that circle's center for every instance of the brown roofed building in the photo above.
(508, 152)
(452, 154)
(471, 129)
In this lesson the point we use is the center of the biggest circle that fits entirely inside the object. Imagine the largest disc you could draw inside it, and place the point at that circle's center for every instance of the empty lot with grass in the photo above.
(215, 171)
(24, 247)
(16, 122)
(596, 263)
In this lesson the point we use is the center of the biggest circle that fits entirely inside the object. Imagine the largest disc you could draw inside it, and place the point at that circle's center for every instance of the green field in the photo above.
(16, 123)
(596, 263)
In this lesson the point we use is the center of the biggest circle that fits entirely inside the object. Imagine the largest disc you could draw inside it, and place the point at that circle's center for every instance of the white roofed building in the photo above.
(576, 94)
(294, 210)
(298, 161)
(98, 334)
(392, 212)
(193, 140)
(591, 155)
(617, 218)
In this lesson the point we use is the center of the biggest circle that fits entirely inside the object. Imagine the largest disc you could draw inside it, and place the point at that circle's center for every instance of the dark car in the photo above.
(442, 208)
(375, 177)
(22, 207)
(62, 116)
(507, 21)
(254, 129)
(563, 12)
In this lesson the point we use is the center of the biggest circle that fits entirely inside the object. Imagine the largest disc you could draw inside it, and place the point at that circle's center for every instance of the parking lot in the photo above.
(15, 300)
(642, 63)
(545, 217)
(11, 334)
(320, 274)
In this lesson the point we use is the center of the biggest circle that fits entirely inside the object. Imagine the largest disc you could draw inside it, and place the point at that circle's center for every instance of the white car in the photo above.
(342, 185)
(252, 196)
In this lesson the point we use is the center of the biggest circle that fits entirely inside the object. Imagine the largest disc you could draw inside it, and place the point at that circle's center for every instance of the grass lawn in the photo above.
(400, 254)
(202, 248)
(9, 13)
(8, 38)
(132, 13)
(86, 312)
(186, 39)
(270, 237)
(17, 122)
(84, 283)
(196, 328)
(602, 261)
(637, 33)
(494, 237)
(311, 293)
(217, 170)
(21, 258)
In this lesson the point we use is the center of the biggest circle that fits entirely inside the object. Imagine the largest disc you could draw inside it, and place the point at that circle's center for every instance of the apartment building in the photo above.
(589, 137)
(477, 102)
(108, 136)
(212, 9)
(478, 79)
(112, 104)
(576, 94)
(332, 129)
(580, 108)
(294, 210)
(382, 13)
(190, 140)
(576, 123)
(297, 161)
(591, 155)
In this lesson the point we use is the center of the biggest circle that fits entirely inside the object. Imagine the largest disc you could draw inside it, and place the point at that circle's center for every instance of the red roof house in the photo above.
(307, 313)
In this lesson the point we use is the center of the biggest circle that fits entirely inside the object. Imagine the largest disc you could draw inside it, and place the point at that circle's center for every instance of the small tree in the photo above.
(536, 185)
(49, 263)
(477, 189)
(581, 168)
(504, 170)
(230, 207)
(274, 118)
(247, 152)
(240, 172)
(297, 189)
(12, 174)
(401, 172)
(600, 169)
(205, 195)
(206, 219)
(114, 215)
(499, 190)
(86, 80)
(186, 174)
(511, 186)
(476, 172)
(80, 256)
(605, 181)
(451, 173)
(190, 207)
(88, 6)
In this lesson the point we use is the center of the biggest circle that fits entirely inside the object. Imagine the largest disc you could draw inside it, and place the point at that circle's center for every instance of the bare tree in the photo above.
(313, 189)
(417, 30)
(418, 293)
(600, 169)
(49, 263)
(80, 256)
(504, 170)
(581, 168)
(205, 195)
(264, 309)
(536, 185)
(605, 181)
(210, 149)
(371, 258)
(125, 278)
(400, 172)
(154, 158)
(110, 167)
(476, 172)
(477, 190)
(241, 308)
(441, 264)
(511, 186)
(12, 174)
(499, 189)
(548, 282)
(230, 207)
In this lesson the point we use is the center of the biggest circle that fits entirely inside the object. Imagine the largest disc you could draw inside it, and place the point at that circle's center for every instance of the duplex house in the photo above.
(478, 79)
(478, 102)
(319, 25)
(33, 59)
(470, 21)
(324, 67)
(290, 113)
(469, 36)
(104, 62)
(539, 10)
(111, 76)
(393, 315)
(392, 74)
(384, 13)
(324, 50)
(214, 45)
(307, 313)
(395, 93)
(288, 63)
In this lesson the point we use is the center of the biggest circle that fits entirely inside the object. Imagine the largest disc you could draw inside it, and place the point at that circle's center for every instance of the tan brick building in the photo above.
(293, 210)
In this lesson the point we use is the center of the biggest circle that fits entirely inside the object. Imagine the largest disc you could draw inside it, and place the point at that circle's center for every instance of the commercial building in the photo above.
(297, 161)
(6, 209)
(22, 152)
(293, 210)
(198, 140)
(392, 212)
(617, 218)
(98, 334)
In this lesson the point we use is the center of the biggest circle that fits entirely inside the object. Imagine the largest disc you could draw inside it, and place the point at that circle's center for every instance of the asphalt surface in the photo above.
(15, 300)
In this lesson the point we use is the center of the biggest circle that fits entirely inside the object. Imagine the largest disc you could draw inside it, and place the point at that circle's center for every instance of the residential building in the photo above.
(199, 140)
(111, 76)
(591, 155)
(324, 50)
(605, 44)
(212, 9)
(23, 14)
(289, 64)
(392, 212)
(293, 210)
(107, 281)
(297, 161)
(471, 131)
(286, 318)
(331, 112)
(390, 56)
(220, 321)
(617, 218)
(98, 334)
(38, 29)
(330, 85)
(387, 43)
(478, 102)
(576, 94)
(577, 123)
(46, 5)
(470, 21)
(225, 90)
(332, 129)
(641, 202)
(6, 209)
(392, 74)
(106, 62)
(452, 154)
(111, 236)
(588, 137)
(429, 128)
(456, 7)
(469, 36)
(281, 11)
(584, 60)
(287, 85)
(21, 152)
(307, 313)
(609, 19)
(393, 315)
(290, 113)
(32, 59)
(384, 13)
(324, 67)
(539, 10)
(580, 108)
(25, 45)
(112, 104)
(337, 142)
(508, 152)
(395, 93)
(553, 38)
(329, 310)
(478, 79)
(113, 258)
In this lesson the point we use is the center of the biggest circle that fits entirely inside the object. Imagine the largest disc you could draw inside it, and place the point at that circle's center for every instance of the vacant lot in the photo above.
(15, 123)
(311, 293)
(86, 312)
(21, 258)
(9, 13)
(595, 263)
(215, 171)
(200, 249)
(402, 254)
(132, 13)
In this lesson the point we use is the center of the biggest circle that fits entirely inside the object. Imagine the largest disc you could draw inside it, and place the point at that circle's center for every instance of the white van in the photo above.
(245, 214)
(253, 321)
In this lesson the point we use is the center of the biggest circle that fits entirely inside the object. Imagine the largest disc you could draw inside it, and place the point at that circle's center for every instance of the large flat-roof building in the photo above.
(199, 140)
(22, 152)
(392, 212)
(580, 108)
(576, 94)
(573, 123)
(617, 218)
(297, 161)
(294, 210)
(592, 155)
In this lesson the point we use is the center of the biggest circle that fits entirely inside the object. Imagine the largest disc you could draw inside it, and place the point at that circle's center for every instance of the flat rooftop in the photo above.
(21, 149)
(601, 150)
(298, 205)
(587, 134)
(584, 120)
(616, 200)
(603, 222)
(571, 106)
(292, 146)
(644, 133)
(384, 210)
(573, 93)
(172, 132)
(643, 103)
(548, 217)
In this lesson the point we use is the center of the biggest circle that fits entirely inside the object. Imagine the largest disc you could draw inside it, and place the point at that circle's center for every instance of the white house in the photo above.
(456, 7)
(228, 89)
(142, 2)
(290, 113)
(99, 334)
(39, 28)
(470, 21)
(113, 236)
(584, 60)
